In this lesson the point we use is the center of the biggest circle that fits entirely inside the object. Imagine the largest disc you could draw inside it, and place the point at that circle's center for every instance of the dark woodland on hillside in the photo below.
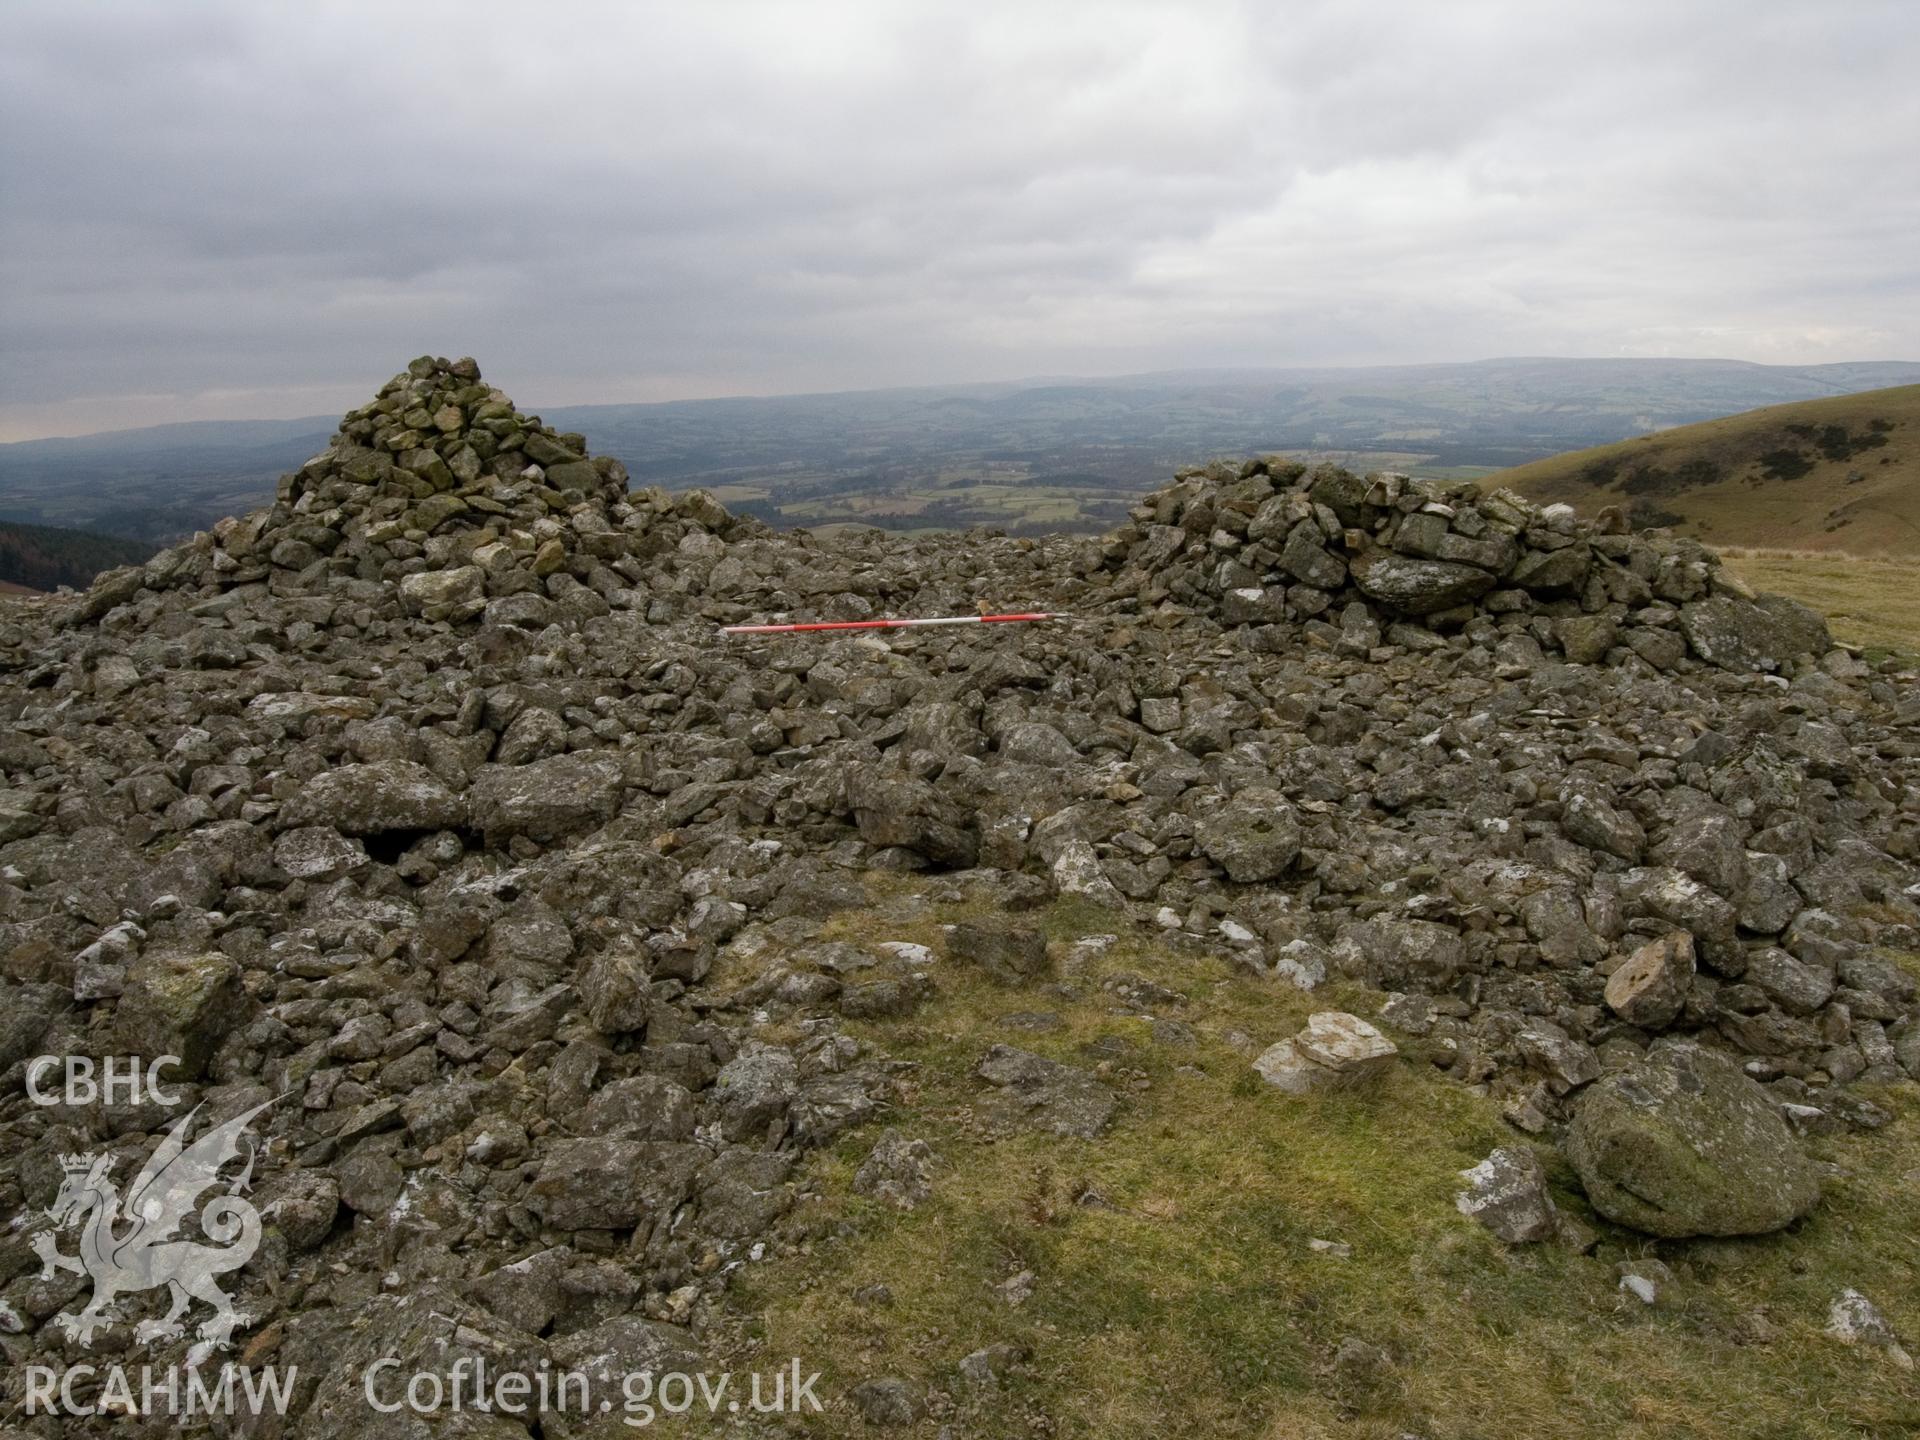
(42, 558)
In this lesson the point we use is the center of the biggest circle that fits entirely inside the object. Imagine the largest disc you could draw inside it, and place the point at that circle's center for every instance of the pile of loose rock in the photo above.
(1271, 541)
(429, 801)
(441, 499)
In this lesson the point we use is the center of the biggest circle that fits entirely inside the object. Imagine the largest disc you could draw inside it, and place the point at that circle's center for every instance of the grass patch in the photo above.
(1872, 602)
(1176, 1289)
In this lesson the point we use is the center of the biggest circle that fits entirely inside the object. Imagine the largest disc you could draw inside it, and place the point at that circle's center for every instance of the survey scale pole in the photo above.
(814, 626)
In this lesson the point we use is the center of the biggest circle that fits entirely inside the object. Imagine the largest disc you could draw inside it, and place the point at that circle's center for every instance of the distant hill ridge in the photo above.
(1034, 456)
(1840, 474)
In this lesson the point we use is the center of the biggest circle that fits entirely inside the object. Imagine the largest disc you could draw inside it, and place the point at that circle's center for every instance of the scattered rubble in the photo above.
(898, 1171)
(1046, 1095)
(427, 801)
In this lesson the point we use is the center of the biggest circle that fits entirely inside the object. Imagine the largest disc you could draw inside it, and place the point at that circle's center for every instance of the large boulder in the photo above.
(317, 852)
(455, 594)
(1906, 1048)
(1591, 820)
(1009, 954)
(1418, 587)
(26, 1014)
(180, 1005)
(546, 799)
(1552, 572)
(1344, 493)
(596, 1184)
(641, 1107)
(18, 820)
(1684, 1144)
(377, 797)
(1652, 983)
(1795, 986)
(605, 1357)
(1759, 634)
(1393, 954)
(1253, 837)
(1305, 557)
(1677, 898)
(1507, 1193)
(895, 809)
(755, 1089)
(1336, 1051)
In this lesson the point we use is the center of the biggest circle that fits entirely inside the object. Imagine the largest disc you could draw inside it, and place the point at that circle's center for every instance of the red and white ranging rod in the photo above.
(889, 624)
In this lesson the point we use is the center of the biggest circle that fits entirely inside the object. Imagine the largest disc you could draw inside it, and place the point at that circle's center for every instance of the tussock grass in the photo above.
(1176, 1290)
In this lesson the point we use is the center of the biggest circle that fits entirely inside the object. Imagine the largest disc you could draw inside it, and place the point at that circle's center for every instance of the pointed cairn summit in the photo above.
(438, 497)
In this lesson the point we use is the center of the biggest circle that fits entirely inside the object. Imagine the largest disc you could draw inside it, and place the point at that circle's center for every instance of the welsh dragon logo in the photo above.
(134, 1245)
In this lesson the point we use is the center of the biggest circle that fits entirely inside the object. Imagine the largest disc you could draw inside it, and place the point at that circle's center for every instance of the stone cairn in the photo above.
(426, 800)
(440, 495)
(1272, 542)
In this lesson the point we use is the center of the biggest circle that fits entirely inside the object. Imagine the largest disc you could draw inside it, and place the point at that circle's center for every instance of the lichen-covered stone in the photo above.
(179, 1004)
(1507, 1193)
(373, 798)
(1335, 1051)
(1685, 1144)
(1417, 587)
(546, 799)
(1759, 634)
(1253, 836)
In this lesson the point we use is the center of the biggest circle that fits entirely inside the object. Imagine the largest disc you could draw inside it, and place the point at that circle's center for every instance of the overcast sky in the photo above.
(244, 209)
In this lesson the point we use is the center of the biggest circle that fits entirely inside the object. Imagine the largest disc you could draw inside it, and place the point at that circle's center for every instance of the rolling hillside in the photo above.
(1835, 474)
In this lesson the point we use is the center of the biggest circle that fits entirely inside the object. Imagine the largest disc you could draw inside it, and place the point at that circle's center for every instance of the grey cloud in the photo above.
(233, 209)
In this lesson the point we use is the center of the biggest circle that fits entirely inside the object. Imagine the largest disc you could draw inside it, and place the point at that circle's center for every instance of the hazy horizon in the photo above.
(329, 417)
(218, 210)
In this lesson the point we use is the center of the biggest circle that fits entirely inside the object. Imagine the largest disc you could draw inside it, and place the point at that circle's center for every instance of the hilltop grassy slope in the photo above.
(1869, 601)
(1176, 1283)
(1835, 474)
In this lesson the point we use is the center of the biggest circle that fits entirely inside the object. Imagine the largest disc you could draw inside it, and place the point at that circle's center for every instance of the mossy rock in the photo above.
(1685, 1144)
(180, 1005)
(436, 510)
